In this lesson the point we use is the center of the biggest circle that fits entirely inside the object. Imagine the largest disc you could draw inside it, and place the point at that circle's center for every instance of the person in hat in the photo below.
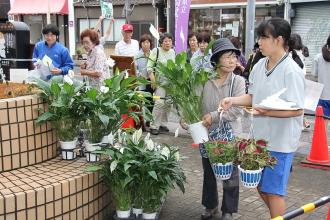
(224, 58)
(127, 46)
(280, 128)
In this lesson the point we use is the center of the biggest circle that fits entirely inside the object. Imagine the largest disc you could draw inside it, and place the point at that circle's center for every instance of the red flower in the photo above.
(242, 145)
(261, 143)
(217, 151)
(258, 149)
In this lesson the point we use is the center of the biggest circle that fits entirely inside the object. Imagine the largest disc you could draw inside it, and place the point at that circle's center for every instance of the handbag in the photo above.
(224, 131)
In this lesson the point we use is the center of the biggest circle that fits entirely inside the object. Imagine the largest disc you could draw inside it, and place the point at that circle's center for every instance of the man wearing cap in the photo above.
(127, 46)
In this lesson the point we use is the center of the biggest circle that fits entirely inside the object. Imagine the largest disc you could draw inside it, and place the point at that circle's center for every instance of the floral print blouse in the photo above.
(97, 61)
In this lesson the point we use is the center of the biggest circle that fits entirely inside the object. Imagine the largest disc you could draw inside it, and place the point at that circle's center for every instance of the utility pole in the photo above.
(249, 34)
(127, 11)
(48, 12)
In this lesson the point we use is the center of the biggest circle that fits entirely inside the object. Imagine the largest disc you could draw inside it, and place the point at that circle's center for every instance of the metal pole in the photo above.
(48, 12)
(249, 34)
(287, 9)
(72, 31)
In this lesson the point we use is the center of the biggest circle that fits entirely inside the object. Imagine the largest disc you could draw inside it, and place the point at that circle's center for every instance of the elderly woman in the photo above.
(198, 60)
(160, 54)
(95, 68)
(142, 57)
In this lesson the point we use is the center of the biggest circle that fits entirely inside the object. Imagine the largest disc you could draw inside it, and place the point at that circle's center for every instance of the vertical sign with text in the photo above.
(182, 8)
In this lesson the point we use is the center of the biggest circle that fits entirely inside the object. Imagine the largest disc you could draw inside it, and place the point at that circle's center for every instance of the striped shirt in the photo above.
(124, 49)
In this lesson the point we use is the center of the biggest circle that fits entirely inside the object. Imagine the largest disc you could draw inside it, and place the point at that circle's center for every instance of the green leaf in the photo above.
(93, 168)
(153, 174)
(92, 94)
(55, 88)
(104, 119)
(127, 166)
(47, 116)
(113, 165)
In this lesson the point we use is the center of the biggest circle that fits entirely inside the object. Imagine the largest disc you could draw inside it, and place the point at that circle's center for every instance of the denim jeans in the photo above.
(230, 189)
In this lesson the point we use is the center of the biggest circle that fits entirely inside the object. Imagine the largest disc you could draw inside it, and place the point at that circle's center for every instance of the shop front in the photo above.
(227, 18)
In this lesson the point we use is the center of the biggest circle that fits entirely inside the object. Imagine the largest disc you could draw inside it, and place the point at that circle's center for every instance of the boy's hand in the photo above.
(207, 120)
(259, 111)
(56, 71)
(225, 103)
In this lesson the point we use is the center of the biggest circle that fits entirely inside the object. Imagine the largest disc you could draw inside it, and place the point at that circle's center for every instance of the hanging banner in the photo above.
(106, 8)
(182, 8)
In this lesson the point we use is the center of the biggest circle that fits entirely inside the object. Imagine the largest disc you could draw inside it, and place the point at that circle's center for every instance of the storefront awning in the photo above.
(39, 7)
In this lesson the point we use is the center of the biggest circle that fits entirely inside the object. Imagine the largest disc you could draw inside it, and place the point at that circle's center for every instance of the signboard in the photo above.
(182, 8)
(313, 93)
(106, 8)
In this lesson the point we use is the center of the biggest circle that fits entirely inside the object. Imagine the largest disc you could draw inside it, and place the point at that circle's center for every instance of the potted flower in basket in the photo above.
(221, 154)
(63, 113)
(183, 85)
(252, 157)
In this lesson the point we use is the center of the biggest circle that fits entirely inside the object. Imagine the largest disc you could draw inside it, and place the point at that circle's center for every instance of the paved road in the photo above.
(305, 185)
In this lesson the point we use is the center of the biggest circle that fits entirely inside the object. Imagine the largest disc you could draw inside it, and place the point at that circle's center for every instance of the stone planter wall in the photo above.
(22, 142)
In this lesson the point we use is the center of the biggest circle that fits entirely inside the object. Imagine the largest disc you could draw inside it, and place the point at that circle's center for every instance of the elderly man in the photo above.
(127, 46)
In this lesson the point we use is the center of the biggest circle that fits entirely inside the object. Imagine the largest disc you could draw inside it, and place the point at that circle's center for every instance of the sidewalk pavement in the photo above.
(306, 185)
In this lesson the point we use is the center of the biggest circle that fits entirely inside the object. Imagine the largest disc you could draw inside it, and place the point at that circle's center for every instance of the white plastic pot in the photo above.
(149, 215)
(137, 212)
(250, 178)
(90, 157)
(199, 132)
(68, 147)
(123, 214)
(223, 171)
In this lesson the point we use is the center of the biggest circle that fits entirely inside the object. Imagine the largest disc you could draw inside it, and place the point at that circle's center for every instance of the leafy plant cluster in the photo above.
(183, 85)
(140, 172)
(250, 154)
(70, 103)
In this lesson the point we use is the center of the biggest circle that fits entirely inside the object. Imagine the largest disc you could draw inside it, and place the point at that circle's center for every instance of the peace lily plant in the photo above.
(140, 172)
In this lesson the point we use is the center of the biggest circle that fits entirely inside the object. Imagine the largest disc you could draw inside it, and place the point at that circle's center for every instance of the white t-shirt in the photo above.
(321, 69)
(122, 48)
(282, 134)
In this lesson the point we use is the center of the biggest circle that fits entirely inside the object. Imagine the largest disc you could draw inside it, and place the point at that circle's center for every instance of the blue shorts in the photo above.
(275, 181)
(326, 106)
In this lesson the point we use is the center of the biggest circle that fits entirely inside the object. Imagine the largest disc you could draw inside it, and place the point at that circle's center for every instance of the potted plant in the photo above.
(183, 85)
(252, 157)
(116, 172)
(221, 155)
(63, 112)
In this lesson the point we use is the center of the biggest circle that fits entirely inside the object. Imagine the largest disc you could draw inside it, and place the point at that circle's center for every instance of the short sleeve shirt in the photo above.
(125, 49)
(282, 134)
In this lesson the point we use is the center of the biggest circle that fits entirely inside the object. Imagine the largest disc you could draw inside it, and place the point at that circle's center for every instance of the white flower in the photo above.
(104, 89)
(147, 137)
(165, 152)
(150, 145)
(78, 94)
(68, 80)
(110, 138)
(176, 133)
(126, 74)
(119, 136)
(121, 150)
(110, 62)
(177, 156)
(158, 147)
(71, 74)
(136, 136)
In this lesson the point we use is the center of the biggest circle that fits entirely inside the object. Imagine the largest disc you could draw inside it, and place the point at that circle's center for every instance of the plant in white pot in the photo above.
(183, 85)
(62, 96)
(116, 173)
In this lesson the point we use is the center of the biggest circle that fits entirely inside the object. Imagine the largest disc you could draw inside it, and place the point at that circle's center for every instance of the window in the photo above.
(141, 28)
(91, 23)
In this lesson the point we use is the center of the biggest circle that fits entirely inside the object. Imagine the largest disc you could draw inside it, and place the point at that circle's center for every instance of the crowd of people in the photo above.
(277, 62)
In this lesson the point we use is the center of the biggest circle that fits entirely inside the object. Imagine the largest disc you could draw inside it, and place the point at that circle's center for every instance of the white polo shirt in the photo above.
(124, 49)
(282, 134)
